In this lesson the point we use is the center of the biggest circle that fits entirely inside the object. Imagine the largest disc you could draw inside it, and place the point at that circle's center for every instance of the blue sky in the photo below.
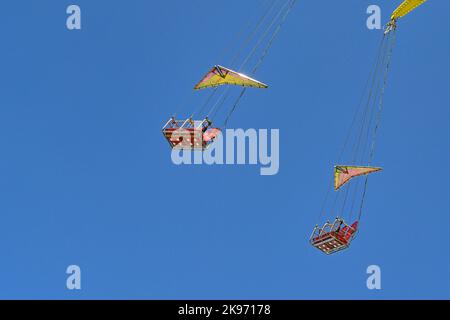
(87, 178)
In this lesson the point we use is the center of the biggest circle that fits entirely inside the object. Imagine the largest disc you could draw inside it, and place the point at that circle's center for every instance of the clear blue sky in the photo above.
(86, 176)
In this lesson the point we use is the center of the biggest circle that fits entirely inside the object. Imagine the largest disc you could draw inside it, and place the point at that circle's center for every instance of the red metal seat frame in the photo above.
(333, 237)
(188, 134)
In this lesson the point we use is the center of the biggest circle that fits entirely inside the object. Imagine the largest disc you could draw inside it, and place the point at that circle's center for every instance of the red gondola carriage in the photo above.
(333, 237)
(189, 134)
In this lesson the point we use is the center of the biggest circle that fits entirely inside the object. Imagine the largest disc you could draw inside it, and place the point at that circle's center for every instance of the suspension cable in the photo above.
(362, 108)
(378, 80)
(253, 32)
(201, 109)
(372, 92)
(221, 100)
(391, 38)
(360, 103)
(265, 34)
(263, 56)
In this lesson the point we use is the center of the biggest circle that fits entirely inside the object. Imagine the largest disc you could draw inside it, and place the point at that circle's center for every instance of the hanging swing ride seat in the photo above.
(333, 237)
(190, 134)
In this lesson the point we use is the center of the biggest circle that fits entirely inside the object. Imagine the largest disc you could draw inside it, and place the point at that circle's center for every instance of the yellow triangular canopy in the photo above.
(343, 174)
(219, 76)
(406, 7)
